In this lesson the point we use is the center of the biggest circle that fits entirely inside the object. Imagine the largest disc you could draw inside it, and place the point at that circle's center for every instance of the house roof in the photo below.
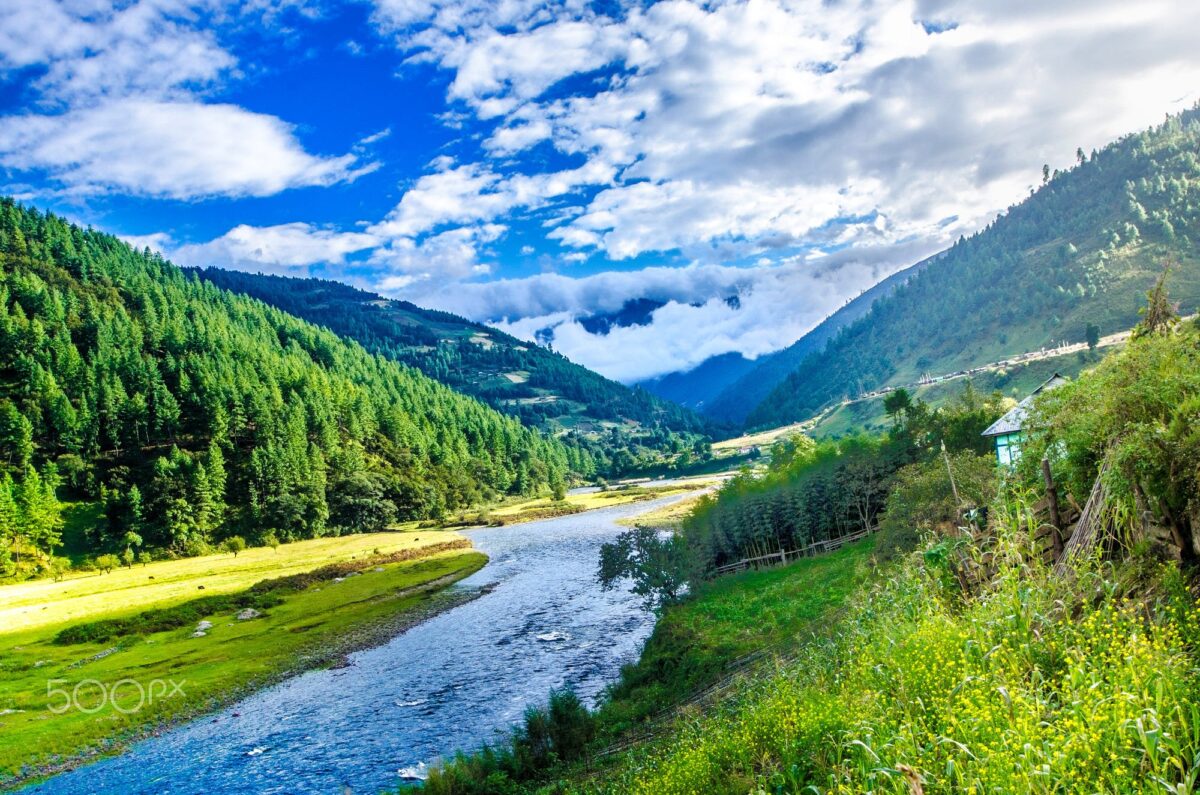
(1014, 420)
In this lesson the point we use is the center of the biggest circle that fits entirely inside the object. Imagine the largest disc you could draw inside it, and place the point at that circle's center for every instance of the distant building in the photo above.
(1008, 431)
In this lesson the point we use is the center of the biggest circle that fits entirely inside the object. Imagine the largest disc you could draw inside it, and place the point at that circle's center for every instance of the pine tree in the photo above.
(9, 515)
(16, 438)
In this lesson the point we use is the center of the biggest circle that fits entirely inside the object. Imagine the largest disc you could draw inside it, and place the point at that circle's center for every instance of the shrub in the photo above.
(59, 567)
(1040, 685)
(558, 732)
(163, 619)
(922, 499)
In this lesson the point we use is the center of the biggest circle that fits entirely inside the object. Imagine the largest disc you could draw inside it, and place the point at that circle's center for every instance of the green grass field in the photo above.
(307, 624)
(697, 643)
(544, 507)
(1039, 684)
(41, 603)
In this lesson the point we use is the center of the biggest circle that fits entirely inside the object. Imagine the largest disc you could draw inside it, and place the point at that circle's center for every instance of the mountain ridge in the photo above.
(541, 387)
(737, 399)
(1080, 251)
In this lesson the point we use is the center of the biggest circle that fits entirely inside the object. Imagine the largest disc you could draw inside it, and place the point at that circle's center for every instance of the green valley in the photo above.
(194, 415)
(622, 428)
(955, 650)
(567, 398)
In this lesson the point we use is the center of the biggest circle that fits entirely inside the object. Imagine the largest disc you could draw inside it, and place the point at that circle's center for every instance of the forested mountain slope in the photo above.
(195, 413)
(1081, 250)
(737, 399)
(543, 388)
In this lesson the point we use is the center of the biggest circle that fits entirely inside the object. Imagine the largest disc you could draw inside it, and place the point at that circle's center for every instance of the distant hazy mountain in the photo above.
(734, 399)
(1081, 250)
(696, 387)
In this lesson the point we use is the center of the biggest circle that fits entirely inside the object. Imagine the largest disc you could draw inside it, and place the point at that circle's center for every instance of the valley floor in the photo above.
(133, 641)
(135, 665)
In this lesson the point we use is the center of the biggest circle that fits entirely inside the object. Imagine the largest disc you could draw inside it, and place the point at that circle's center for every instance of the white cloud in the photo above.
(443, 258)
(776, 304)
(90, 50)
(279, 249)
(499, 70)
(734, 126)
(179, 150)
(120, 92)
(471, 193)
(155, 241)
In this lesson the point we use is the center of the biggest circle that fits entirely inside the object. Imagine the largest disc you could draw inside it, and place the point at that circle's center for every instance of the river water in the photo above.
(451, 683)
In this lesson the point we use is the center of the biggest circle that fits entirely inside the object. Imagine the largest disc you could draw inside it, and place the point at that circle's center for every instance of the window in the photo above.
(1008, 448)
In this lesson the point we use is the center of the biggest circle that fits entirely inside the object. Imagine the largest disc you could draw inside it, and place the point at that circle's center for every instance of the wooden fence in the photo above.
(783, 556)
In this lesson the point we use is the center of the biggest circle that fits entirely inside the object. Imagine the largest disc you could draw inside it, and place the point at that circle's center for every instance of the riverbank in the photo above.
(139, 669)
(533, 510)
(702, 650)
(452, 682)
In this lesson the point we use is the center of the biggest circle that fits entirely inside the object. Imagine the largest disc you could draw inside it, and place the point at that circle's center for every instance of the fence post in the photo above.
(1052, 503)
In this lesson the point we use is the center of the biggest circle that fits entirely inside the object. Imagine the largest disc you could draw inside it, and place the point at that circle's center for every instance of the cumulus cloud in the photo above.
(754, 122)
(473, 193)
(762, 130)
(179, 150)
(96, 49)
(284, 248)
(447, 257)
(121, 92)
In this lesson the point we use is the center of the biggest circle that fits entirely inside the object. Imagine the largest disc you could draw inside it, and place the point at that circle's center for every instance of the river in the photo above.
(460, 679)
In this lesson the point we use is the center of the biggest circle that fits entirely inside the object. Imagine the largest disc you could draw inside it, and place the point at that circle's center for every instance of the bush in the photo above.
(161, 620)
(59, 567)
(1041, 685)
(1138, 410)
(558, 732)
(195, 547)
(234, 545)
(922, 500)
(106, 563)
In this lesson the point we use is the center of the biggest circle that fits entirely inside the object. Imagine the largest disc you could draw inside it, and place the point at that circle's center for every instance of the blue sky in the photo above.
(527, 163)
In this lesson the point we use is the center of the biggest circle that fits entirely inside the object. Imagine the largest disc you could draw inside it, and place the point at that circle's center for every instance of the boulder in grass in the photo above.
(204, 626)
(248, 614)
(199, 633)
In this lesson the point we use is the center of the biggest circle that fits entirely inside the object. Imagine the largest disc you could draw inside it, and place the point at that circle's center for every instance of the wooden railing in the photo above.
(783, 556)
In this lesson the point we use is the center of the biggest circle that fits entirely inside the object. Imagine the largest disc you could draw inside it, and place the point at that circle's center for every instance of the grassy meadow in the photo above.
(36, 604)
(731, 622)
(1044, 686)
(546, 507)
(137, 624)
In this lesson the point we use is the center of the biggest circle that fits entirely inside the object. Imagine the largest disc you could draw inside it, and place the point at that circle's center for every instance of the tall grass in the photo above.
(1034, 685)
